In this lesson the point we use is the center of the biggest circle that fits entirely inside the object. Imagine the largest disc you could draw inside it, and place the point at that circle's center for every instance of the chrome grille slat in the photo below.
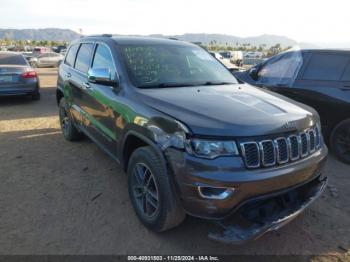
(268, 154)
(280, 150)
(281, 145)
(251, 154)
(312, 136)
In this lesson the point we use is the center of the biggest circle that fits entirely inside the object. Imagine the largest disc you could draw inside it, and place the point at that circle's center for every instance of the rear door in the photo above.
(78, 79)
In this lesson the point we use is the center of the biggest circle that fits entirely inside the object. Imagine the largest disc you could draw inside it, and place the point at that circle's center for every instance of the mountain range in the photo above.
(57, 34)
(49, 34)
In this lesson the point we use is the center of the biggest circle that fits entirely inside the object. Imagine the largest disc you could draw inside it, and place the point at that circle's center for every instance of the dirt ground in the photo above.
(58, 197)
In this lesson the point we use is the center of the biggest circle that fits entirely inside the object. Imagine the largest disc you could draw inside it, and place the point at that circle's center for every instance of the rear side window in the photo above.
(12, 59)
(326, 67)
(71, 55)
(82, 62)
(346, 75)
(103, 59)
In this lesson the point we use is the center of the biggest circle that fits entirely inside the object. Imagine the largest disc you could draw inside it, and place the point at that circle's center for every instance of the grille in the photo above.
(268, 154)
(280, 150)
(304, 144)
(294, 147)
(252, 155)
(312, 137)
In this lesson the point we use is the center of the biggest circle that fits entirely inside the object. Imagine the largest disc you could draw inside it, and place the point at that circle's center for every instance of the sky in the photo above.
(322, 21)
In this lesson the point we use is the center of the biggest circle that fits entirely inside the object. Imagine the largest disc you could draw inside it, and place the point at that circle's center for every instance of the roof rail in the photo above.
(173, 38)
(101, 35)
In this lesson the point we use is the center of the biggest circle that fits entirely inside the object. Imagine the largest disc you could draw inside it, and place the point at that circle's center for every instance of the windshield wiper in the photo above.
(210, 83)
(166, 85)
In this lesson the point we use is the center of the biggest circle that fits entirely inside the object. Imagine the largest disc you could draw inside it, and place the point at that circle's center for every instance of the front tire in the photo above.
(152, 192)
(70, 132)
(340, 141)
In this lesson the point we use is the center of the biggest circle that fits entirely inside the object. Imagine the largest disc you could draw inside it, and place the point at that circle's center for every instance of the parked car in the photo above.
(17, 77)
(226, 62)
(318, 78)
(235, 57)
(47, 60)
(191, 139)
(37, 51)
(256, 55)
(59, 48)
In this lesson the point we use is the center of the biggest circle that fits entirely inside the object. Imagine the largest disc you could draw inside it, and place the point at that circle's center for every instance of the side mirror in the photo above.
(101, 76)
(253, 72)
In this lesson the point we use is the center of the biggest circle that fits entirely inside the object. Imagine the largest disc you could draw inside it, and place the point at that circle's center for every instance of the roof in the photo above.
(130, 40)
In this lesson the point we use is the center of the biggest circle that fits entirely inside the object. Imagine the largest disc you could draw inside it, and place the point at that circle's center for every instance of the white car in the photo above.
(47, 60)
(226, 62)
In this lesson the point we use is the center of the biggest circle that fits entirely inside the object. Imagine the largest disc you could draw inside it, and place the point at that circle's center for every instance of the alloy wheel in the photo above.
(144, 189)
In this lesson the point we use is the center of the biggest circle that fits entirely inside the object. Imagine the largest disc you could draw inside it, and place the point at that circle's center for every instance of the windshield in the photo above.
(12, 59)
(152, 66)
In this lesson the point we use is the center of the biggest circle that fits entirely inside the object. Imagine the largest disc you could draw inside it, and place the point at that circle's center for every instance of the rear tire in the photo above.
(152, 192)
(70, 132)
(340, 141)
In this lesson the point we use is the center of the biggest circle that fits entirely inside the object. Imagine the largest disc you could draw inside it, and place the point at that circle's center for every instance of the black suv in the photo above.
(318, 78)
(191, 139)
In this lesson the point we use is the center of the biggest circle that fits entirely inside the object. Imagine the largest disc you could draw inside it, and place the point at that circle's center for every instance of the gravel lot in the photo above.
(58, 197)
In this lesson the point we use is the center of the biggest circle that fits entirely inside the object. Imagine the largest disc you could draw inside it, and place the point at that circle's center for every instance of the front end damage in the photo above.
(256, 217)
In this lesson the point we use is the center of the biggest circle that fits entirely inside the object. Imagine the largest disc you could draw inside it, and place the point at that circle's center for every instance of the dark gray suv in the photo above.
(191, 139)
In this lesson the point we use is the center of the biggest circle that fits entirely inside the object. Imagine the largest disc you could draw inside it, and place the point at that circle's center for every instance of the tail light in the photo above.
(29, 74)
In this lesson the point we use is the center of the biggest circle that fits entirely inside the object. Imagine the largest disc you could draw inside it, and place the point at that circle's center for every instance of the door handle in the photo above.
(68, 75)
(86, 85)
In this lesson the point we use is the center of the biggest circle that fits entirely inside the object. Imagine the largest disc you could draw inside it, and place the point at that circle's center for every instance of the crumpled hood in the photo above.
(229, 110)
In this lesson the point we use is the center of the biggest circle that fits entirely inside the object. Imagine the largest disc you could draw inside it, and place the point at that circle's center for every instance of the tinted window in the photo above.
(82, 62)
(103, 59)
(346, 75)
(12, 59)
(154, 65)
(71, 55)
(281, 69)
(328, 67)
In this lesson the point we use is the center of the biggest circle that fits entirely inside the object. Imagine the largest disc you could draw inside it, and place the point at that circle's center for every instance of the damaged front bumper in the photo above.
(267, 213)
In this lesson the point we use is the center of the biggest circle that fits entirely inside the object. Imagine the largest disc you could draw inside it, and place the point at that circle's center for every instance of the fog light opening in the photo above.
(218, 193)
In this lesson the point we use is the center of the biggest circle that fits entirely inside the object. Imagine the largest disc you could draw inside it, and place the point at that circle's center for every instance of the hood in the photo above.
(229, 110)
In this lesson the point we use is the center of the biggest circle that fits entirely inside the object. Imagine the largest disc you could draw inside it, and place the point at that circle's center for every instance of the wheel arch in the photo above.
(133, 140)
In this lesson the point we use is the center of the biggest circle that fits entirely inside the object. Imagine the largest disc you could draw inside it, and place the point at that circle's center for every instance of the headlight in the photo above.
(197, 147)
(165, 140)
(211, 149)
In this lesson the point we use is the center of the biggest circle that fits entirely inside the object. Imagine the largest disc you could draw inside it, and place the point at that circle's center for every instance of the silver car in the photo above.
(47, 60)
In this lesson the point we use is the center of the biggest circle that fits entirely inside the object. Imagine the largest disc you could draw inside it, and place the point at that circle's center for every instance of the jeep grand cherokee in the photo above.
(191, 139)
